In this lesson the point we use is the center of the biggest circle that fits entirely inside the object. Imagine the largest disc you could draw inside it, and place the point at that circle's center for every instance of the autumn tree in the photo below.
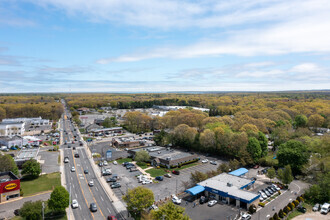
(138, 199)
(142, 156)
(207, 139)
(184, 136)
(169, 211)
(315, 121)
(7, 163)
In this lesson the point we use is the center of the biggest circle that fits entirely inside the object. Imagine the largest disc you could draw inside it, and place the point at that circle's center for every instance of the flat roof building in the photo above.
(12, 128)
(25, 155)
(10, 186)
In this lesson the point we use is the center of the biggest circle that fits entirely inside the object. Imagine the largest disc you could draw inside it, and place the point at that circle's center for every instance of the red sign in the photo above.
(10, 186)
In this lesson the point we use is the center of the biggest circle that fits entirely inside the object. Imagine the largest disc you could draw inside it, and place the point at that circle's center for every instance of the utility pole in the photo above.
(176, 186)
(43, 212)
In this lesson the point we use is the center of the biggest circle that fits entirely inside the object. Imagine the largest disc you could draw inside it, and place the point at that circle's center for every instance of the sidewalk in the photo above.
(142, 170)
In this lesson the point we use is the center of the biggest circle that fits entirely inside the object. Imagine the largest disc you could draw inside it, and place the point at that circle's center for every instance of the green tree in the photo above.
(254, 149)
(7, 163)
(31, 168)
(300, 121)
(138, 199)
(142, 156)
(234, 164)
(169, 211)
(315, 121)
(198, 176)
(109, 122)
(293, 153)
(281, 213)
(275, 216)
(271, 173)
(31, 210)
(320, 192)
(287, 175)
(59, 199)
(263, 141)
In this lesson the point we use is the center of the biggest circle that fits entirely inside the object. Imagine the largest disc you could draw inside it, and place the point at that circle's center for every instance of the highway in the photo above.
(77, 182)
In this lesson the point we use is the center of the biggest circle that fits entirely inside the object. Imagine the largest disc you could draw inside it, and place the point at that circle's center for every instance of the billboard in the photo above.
(10, 186)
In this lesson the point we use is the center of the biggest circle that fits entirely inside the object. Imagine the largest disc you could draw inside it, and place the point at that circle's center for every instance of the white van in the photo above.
(3, 148)
(325, 208)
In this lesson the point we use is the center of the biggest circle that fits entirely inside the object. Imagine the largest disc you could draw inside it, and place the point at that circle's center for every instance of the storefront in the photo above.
(10, 186)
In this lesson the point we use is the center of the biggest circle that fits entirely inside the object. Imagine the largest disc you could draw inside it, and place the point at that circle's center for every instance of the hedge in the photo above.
(261, 204)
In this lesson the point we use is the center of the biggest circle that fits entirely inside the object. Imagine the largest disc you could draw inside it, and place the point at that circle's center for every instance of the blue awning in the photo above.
(195, 190)
(239, 172)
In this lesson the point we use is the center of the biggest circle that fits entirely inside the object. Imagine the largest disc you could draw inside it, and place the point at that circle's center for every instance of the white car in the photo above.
(246, 216)
(205, 161)
(115, 162)
(105, 163)
(91, 183)
(176, 200)
(212, 203)
(276, 187)
(73, 169)
(146, 181)
(74, 204)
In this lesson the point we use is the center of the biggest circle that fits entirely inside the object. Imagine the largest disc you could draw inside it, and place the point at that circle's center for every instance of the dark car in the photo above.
(125, 163)
(69, 146)
(74, 147)
(80, 144)
(16, 212)
(93, 207)
(111, 179)
(203, 200)
(111, 217)
(301, 209)
(76, 155)
(176, 172)
(160, 178)
(85, 171)
(115, 185)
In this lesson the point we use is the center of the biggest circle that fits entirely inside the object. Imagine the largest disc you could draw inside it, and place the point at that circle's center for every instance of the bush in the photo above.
(261, 204)
(141, 163)
(296, 202)
(286, 209)
(291, 205)
(281, 214)
(252, 209)
(279, 192)
(275, 216)
(271, 218)
(21, 192)
(301, 199)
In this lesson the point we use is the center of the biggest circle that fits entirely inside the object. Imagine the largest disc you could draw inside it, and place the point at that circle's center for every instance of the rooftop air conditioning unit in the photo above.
(168, 158)
(229, 184)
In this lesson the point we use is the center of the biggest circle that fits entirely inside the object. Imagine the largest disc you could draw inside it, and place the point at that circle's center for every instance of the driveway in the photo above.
(312, 216)
(7, 209)
(49, 160)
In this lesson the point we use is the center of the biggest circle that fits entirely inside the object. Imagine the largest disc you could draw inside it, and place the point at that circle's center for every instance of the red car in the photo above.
(176, 172)
(111, 217)
(256, 166)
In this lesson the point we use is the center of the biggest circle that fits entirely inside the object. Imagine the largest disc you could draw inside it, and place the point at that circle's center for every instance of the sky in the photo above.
(167, 45)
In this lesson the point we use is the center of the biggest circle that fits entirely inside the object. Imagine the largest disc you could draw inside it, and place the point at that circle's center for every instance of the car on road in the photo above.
(205, 161)
(86, 171)
(176, 172)
(168, 175)
(69, 146)
(80, 143)
(246, 216)
(111, 217)
(74, 147)
(176, 200)
(203, 200)
(93, 207)
(73, 169)
(115, 185)
(74, 204)
(212, 202)
(76, 155)
(213, 162)
(316, 207)
(66, 160)
(159, 178)
(91, 183)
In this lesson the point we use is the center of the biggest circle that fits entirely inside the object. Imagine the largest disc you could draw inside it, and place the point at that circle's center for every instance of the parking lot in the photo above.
(48, 160)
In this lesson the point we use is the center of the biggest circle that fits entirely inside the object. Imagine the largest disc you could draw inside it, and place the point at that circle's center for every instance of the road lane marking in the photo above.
(73, 185)
(96, 189)
(102, 198)
(76, 195)
(109, 210)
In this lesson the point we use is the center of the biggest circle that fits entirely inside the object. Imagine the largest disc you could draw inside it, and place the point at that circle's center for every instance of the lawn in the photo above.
(156, 172)
(186, 166)
(296, 212)
(142, 165)
(120, 161)
(43, 183)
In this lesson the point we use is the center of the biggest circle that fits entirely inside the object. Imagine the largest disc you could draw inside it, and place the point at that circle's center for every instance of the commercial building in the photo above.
(10, 186)
(12, 128)
(9, 142)
(25, 155)
(31, 121)
(229, 189)
(161, 156)
(125, 142)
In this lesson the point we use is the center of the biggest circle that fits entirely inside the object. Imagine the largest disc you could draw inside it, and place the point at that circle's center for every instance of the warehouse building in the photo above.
(229, 189)
(10, 186)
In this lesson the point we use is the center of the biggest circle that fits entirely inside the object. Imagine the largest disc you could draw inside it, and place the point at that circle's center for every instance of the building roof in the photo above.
(7, 176)
(163, 153)
(195, 190)
(239, 172)
(230, 184)
(14, 138)
(27, 154)
(11, 122)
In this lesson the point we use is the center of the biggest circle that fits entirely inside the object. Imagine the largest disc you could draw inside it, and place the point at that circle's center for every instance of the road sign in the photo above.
(109, 154)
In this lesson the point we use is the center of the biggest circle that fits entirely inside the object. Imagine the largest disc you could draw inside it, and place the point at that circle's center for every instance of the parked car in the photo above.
(73, 169)
(74, 204)
(246, 216)
(316, 207)
(146, 181)
(205, 161)
(301, 209)
(276, 187)
(111, 179)
(168, 175)
(176, 200)
(115, 185)
(105, 163)
(133, 169)
(16, 212)
(213, 162)
(159, 178)
(176, 172)
(74, 147)
(203, 200)
(106, 172)
(115, 162)
(325, 208)
(100, 164)
(212, 202)
(93, 207)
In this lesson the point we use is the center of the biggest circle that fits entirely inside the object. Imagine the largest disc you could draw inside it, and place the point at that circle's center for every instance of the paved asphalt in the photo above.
(77, 182)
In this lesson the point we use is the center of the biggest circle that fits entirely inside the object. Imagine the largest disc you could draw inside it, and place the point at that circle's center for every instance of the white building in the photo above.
(32, 121)
(12, 128)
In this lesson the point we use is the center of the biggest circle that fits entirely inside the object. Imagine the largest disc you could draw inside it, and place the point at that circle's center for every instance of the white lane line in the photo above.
(80, 207)
(102, 198)
(72, 185)
(109, 210)
(96, 189)
(71, 178)
(76, 195)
